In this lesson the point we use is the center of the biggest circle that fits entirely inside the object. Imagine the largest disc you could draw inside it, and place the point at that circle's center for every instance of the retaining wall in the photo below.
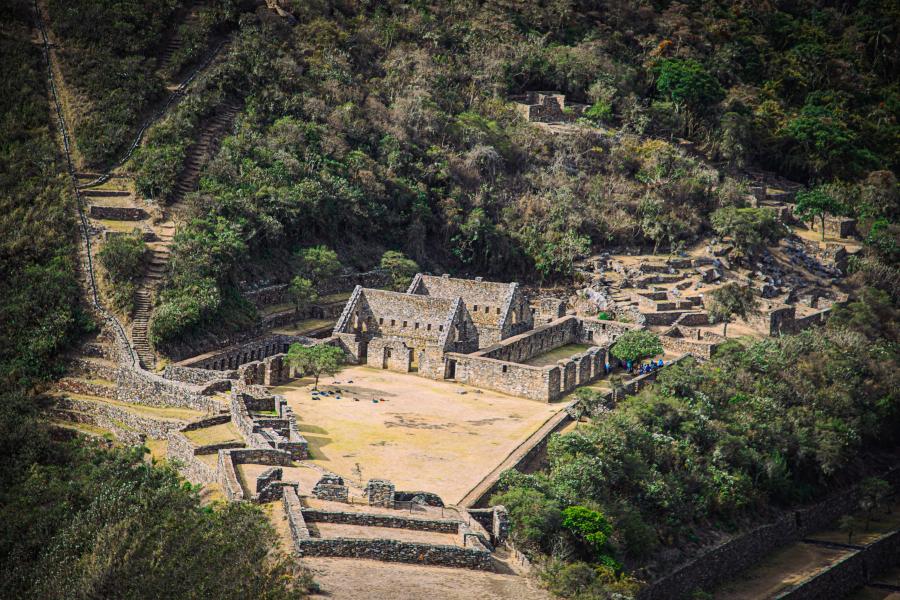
(110, 416)
(192, 468)
(473, 556)
(143, 387)
(380, 520)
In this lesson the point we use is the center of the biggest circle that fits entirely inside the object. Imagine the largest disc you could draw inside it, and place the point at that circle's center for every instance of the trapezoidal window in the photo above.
(505, 368)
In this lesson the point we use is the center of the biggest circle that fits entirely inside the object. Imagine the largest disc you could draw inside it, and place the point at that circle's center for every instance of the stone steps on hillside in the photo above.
(205, 146)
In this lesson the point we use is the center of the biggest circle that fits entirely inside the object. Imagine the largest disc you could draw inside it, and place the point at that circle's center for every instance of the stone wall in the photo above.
(525, 381)
(253, 350)
(722, 562)
(380, 520)
(192, 468)
(118, 213)
(547, 107)
(525, 346)
(143, 387)
(849, 573)
(111, 416)
(474, 556)
(839, 227)
(294, 512)
(196, 376)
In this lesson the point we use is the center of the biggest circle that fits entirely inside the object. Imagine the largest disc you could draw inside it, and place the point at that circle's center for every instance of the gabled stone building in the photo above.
(499, 310)
(405, 332)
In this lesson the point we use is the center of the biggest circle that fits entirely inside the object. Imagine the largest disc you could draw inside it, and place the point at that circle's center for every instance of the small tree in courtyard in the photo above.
(635, 345)
(315, 360)
(303, 293)
(730, 300)
(401, 268)
(816, 203)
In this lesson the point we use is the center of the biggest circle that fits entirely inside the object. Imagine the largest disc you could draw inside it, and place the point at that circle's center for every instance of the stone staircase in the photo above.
(174, 43)
(206, 145)
(164, 231)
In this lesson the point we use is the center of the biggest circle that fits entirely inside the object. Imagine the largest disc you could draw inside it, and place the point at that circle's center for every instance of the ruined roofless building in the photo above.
(412, 331)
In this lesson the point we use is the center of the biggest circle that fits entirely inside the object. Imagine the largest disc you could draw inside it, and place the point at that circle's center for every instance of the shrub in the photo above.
(636, 344)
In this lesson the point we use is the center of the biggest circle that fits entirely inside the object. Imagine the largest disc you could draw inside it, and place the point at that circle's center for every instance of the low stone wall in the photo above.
(118, 213)
(541, 339)
(294, 512)
(679, 344)
(93, 369)
(380, 520)
(86, 388)
(110, 416)
(195, 376)
(126, 436)
(227, 477)
(849, 573)
(525, 381)
(143, 387)
(208, 422)
(192, 468)
(474, 556)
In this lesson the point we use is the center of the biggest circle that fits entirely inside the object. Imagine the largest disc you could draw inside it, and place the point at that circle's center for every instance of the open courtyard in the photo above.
(421, 434)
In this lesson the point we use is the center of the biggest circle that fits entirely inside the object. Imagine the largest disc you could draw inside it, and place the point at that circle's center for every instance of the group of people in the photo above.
(641, 369)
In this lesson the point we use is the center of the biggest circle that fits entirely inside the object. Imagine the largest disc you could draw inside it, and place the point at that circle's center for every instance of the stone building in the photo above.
(498, 310)
(405, 332)
(547, 107)
(476, 332)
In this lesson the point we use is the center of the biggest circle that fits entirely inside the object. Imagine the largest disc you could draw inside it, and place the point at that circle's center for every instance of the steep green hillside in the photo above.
(387, 126)
(78, 520)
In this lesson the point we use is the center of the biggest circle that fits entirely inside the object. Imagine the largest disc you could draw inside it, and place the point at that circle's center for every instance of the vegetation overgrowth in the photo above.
(79, 519)
(387, 127)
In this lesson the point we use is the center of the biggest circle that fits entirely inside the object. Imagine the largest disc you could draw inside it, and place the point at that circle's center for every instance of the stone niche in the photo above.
(380, 493)
(331, 487)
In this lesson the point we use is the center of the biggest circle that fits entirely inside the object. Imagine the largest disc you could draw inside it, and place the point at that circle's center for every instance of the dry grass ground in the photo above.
(218, 434)
(424, 435)
(557, 354)
(349, 579)
(779, 571)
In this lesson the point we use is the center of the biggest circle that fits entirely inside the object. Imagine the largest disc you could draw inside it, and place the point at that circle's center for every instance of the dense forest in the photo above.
(387, 126)
(78, 519)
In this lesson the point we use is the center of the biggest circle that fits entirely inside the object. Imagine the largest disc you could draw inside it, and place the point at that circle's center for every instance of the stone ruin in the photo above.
(331, 487)
(547, 107)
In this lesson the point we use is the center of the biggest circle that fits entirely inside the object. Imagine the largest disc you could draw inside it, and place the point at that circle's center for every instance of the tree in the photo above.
(685, 82)
(303, 293)
(730, 300)
(400, 268)
(873, 493)
(318, 264)
(636, 344)
(847, 524)
(534, 516)
(750, 229)
(814, 203)
(315, 360)
(590, 526)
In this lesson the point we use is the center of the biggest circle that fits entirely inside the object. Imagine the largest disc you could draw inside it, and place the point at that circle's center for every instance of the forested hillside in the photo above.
(388, 126)
(77, 519)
